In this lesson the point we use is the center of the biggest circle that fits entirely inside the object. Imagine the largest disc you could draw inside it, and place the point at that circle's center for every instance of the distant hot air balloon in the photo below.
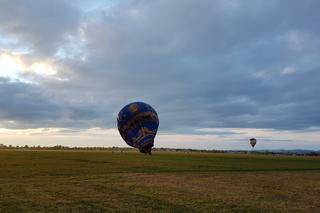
(253, 142)
(138, 124)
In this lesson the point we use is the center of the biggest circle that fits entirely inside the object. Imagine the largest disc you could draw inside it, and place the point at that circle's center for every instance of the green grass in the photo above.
(101, 181)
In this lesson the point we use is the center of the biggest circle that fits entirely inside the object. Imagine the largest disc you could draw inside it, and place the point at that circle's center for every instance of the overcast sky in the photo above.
(217, 71)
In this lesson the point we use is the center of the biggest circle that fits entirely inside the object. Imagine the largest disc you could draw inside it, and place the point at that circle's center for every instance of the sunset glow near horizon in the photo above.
(217, 72)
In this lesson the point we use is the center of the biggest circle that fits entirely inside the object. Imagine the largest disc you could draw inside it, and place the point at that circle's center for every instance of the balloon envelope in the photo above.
(253, 142)
(138, 124)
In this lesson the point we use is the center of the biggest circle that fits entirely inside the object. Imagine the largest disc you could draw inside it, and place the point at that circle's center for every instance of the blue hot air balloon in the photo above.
(138, 124)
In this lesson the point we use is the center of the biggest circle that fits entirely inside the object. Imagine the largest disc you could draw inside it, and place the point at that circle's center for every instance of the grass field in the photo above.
(101, 181)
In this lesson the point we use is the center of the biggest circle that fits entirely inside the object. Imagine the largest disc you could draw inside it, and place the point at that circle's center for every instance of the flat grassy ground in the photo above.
(102, 181)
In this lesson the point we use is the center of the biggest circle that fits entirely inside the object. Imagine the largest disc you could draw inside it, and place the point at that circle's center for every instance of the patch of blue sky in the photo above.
(88, 6)
(71, 50)
(12, 45)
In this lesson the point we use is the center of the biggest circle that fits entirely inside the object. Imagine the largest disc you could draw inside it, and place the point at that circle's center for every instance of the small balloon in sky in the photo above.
(138, 125)
(253, 142)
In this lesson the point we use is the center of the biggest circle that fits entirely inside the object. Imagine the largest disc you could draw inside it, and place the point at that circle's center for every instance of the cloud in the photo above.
(40, 25)
(208, 64)
(23, 105)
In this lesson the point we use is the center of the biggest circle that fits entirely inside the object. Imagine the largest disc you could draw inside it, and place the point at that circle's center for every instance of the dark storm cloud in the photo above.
(201, 64)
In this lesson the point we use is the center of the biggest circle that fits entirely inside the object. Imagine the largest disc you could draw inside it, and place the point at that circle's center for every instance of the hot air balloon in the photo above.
(253, 142)
(138, 124)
